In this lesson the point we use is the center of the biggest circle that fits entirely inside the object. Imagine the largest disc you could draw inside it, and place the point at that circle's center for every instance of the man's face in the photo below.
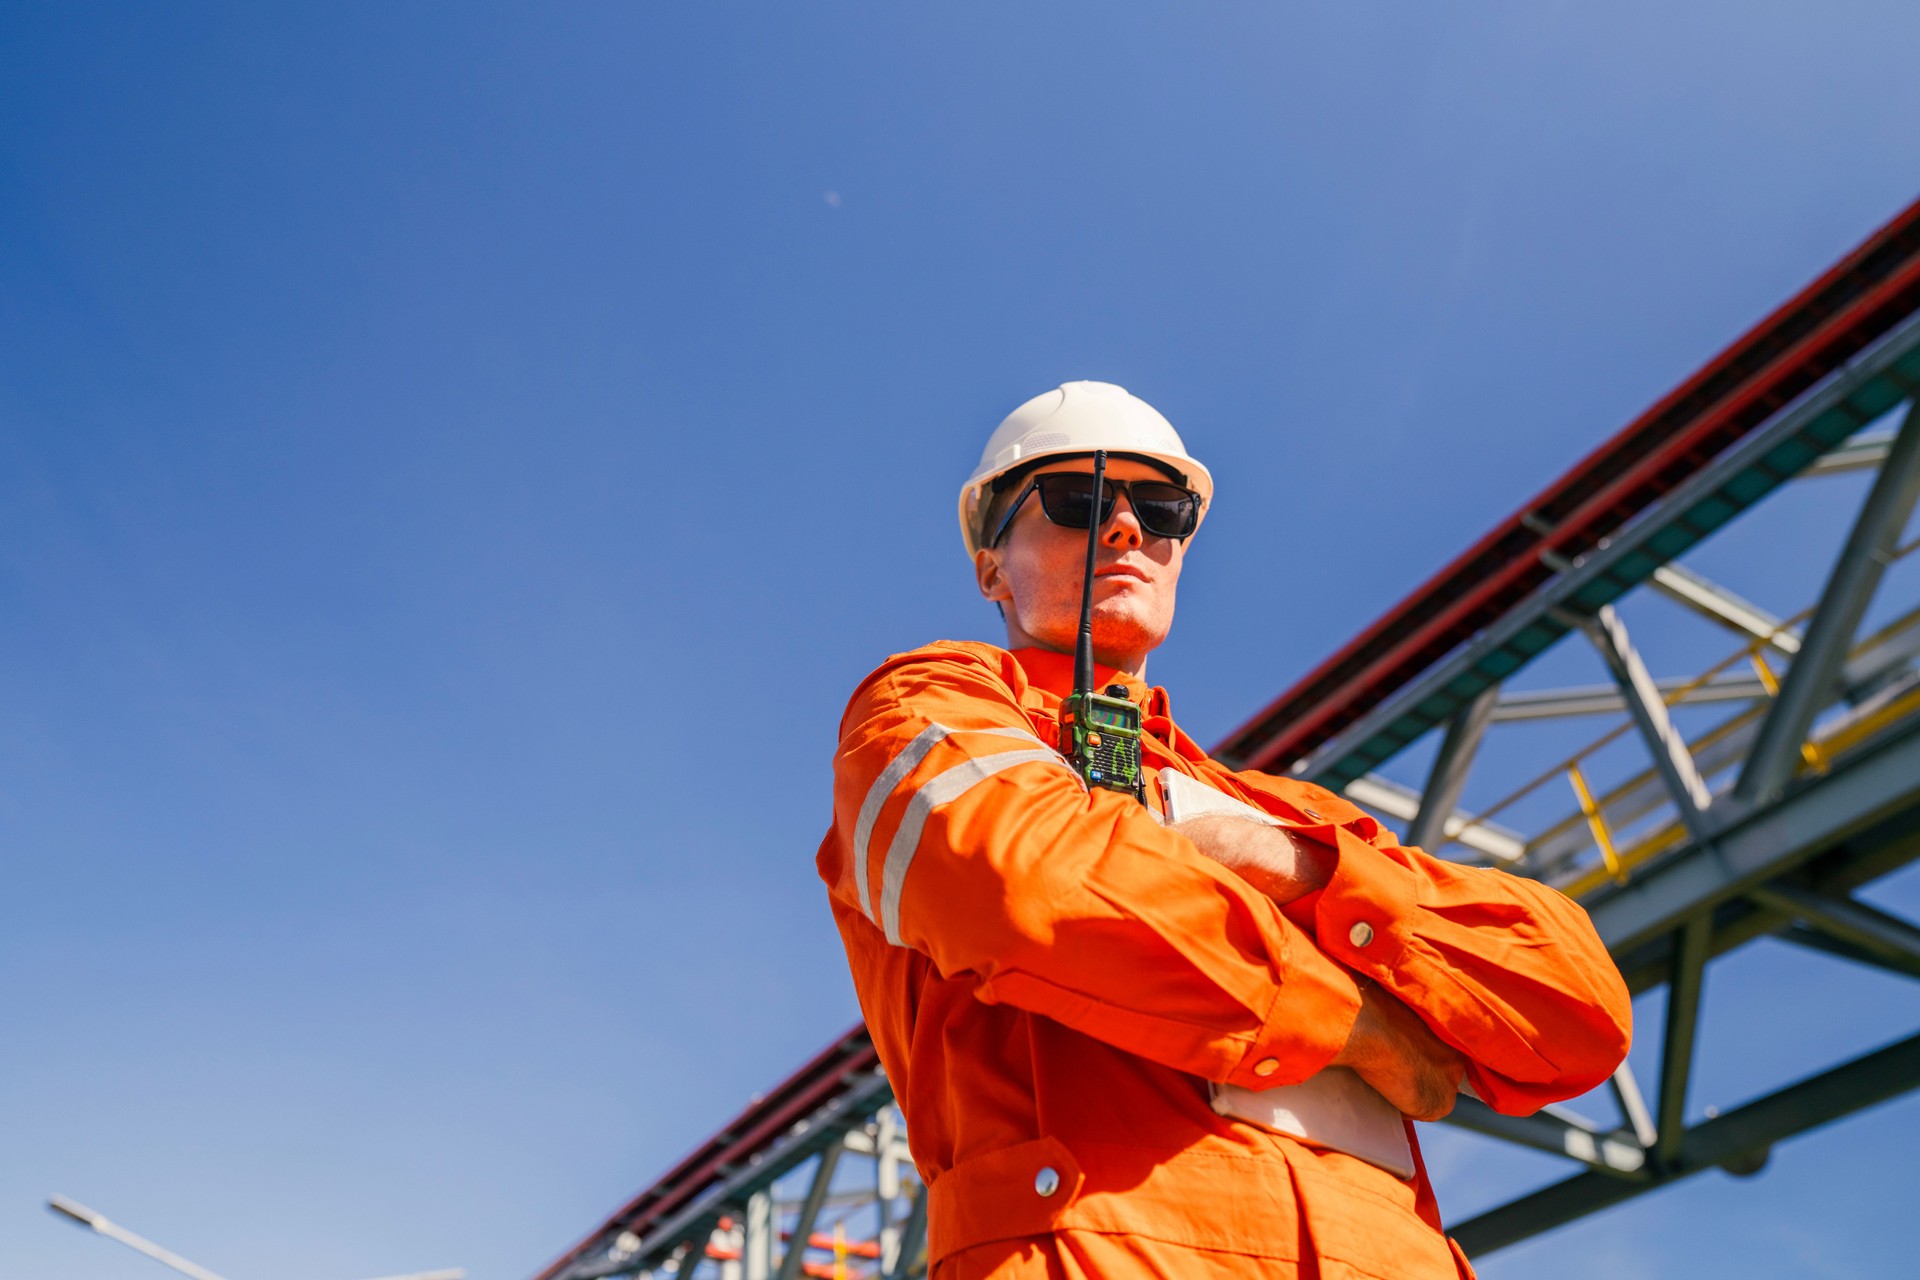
(1035, 574)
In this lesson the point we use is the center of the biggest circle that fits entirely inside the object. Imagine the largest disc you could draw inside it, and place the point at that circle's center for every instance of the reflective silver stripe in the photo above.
(897, 768)
(935, 792)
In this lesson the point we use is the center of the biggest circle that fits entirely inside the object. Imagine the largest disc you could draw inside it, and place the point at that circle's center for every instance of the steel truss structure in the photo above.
(1765, 823)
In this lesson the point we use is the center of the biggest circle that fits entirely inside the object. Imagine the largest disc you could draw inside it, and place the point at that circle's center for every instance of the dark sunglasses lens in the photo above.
(1165, 510)
(1068, 500)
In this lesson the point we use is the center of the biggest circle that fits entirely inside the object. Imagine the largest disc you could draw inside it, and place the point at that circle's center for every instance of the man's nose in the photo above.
(1122, 529)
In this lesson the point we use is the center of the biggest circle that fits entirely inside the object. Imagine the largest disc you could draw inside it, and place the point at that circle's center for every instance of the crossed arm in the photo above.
(1236, 952)
(1389, 1047)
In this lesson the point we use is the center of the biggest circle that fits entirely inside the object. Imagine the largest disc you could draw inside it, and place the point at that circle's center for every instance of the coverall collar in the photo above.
(1053, 673)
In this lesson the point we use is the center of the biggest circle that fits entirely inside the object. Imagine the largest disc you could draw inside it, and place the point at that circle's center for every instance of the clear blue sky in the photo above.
(455, 461)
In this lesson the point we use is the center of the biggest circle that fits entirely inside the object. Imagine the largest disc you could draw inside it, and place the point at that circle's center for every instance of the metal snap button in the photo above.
(1311, 814)
(1361, 934)
(1266, 1066)
(1047, 1181)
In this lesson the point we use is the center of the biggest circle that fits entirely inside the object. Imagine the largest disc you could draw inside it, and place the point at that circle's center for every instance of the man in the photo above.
(1059, 982)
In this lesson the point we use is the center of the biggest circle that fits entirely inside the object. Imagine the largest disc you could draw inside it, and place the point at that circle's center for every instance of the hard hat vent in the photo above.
(1045, 440)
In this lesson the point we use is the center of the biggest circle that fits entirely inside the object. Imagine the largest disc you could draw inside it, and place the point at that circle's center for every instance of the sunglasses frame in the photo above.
(1109, 486)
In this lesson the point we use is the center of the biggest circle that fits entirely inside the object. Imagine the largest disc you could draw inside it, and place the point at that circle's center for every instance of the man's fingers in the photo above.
(1400, 1056)
(1417, 1092)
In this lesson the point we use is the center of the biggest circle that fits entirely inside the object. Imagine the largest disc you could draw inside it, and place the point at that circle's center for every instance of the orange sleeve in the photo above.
(961, 834)
(1505, 969)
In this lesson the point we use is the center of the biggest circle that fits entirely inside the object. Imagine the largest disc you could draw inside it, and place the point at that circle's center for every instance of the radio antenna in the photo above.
(1083, 650)
(1099, 732)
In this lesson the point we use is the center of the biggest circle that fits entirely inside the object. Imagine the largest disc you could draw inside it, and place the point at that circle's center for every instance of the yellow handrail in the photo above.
(1595, 823)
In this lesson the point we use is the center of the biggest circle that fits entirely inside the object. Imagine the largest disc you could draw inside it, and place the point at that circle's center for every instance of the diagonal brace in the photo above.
(1649, 710)
(1717, 604)
(1801, 935)
(1626, 1092)
(1879, 932)
(1809, 684)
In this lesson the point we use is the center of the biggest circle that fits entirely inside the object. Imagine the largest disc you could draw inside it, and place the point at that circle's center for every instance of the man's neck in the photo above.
(1130, 664)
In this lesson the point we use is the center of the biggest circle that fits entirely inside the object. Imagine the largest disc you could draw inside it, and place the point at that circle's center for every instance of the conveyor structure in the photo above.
(1797, 785)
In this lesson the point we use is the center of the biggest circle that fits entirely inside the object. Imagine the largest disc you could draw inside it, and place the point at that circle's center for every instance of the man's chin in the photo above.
(1125, 636)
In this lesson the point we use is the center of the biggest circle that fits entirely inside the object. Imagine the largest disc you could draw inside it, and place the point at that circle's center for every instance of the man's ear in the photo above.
(989, 576)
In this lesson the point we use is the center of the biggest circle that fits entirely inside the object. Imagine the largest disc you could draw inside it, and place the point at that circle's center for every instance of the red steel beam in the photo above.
(1804, 340)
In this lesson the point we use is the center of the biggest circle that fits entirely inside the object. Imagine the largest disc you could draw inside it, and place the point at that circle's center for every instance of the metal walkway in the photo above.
(1799, 785)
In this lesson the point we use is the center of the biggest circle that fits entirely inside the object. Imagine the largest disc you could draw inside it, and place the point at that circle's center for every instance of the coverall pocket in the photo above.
(1359, 1233)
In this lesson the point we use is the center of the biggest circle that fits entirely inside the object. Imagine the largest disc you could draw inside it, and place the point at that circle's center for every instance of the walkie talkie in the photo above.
(1099, 732)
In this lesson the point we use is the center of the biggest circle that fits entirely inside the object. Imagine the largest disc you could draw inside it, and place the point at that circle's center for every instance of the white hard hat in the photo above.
(1079, 417)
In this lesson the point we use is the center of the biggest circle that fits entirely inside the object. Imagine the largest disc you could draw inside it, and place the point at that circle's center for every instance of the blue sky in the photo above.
(456, 461)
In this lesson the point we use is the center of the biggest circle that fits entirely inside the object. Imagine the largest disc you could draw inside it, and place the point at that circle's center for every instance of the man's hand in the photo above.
(1395, 1052)
(1389, 1047)
(1269, 858)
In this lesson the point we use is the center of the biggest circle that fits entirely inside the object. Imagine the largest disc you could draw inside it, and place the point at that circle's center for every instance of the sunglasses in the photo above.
(1066, 497)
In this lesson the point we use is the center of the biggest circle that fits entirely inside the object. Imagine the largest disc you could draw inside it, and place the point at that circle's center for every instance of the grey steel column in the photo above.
(756, 1247)
(1683, 1023)
(1849, 589)
(913, 1239)
(809, 1212)
(1448, 777)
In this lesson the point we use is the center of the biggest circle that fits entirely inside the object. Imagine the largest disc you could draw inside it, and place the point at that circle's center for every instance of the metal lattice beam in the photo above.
(1740, 1138)
(1711, 496)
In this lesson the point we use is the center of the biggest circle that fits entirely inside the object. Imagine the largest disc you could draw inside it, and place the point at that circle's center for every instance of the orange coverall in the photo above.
(1050, 975)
